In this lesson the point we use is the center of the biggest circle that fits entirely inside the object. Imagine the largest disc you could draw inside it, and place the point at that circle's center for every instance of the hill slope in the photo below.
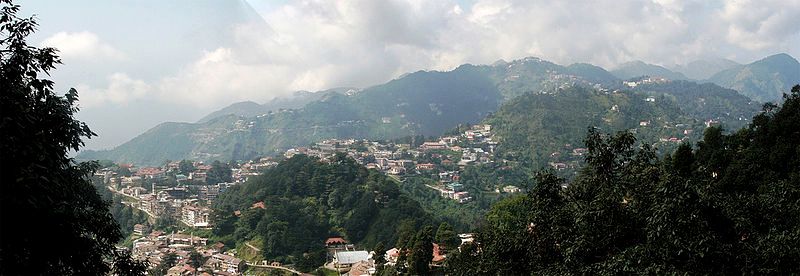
(542, 128)
(420, 103)
(763, 80)
(297, 99)
(638, 68)
(704, 68)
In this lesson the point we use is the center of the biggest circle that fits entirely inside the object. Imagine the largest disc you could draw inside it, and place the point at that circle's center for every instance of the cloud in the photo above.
(82, 45)
(316, 44)
(121, 90)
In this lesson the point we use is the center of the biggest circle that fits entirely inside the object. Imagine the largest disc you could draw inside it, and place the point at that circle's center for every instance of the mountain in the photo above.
(420, 103)
(704, 68)
(431, 102)
(763, 80)
(541, 128)
(297, 99)
(637, 68)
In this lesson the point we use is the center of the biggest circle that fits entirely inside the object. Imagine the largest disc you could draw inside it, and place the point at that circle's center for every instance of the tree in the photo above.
(421, 253)
(446, 236)
(196, 259)
(220, 172)
(54, 221)
(185, 167)
(379, 257)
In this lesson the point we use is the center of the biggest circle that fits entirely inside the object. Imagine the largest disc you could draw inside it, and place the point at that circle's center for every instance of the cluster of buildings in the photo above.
(155, 247)
(441, 160)
(346, 260)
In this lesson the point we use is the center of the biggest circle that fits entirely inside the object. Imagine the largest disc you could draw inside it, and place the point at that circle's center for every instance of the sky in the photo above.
(136, 64)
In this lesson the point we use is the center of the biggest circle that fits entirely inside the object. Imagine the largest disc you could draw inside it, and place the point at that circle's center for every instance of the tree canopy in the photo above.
(54, 221)
(726, 206)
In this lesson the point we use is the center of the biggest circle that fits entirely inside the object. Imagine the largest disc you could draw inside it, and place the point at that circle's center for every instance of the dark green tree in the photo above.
(379, 257)
(446, 237)
(185, 167)
(220, 172)
(421, 253)
(54, 221)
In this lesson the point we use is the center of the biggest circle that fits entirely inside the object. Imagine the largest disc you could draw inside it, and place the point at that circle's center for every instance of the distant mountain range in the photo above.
(420, 103)
(704, 68)
(297, 99)
(763, 80)
(637, 68)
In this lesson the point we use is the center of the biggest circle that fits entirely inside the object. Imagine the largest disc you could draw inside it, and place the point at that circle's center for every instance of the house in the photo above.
(462, 197)
(391, 256)
(259, 204)
(362, 268)
(335, 242)
(180, 270)
(437, 257)
(228, 263)
(466, 238)
(195, 216)
(558, 165)
(141, 229)
(433, 146)
(511, 189)
(396, 170)
(455, 187)
(425, 167)
(346, 259)
(644, 123)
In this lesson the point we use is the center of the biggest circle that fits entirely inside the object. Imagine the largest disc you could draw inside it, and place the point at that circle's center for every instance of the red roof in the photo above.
(335, 240)
(259, 204)
(437, 256)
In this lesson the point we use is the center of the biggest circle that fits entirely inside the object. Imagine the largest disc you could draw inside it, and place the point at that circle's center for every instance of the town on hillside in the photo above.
(182, 193)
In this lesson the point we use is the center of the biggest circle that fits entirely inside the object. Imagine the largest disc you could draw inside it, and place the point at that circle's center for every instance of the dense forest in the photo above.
(306, 201)
(726, 205)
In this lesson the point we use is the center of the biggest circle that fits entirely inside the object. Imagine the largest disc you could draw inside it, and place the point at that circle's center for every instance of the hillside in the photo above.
(724, 206)
(306, 201)
(638, 68)
(297, 99)
(541, 128)
(421, 103)
(430, 103)
(763, 80)
(704, 68)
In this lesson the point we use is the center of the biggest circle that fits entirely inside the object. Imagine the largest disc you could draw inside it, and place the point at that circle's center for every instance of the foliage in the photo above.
(185, 167)
(54, 221)
(420, 255)
(307, 201)
(219, 173)
(724, 207)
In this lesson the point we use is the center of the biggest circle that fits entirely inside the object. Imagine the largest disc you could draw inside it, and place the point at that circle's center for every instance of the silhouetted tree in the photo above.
(54, 221)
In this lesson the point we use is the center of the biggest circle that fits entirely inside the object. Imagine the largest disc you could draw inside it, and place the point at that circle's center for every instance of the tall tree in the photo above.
(421, 253)
(220, 172)
(54, 221)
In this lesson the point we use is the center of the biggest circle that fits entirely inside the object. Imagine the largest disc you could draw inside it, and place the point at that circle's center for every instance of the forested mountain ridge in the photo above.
(543, 128)
(764, 80)
(724, 206)
(295, 100)
(639, 68)
(704, 68)
(421, 103)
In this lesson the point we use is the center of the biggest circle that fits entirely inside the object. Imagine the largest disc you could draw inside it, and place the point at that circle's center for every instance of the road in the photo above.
(276, 267)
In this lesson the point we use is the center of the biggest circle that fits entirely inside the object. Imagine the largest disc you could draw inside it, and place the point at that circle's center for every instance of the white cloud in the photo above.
(121, 90)
(316, 44)
(82, 45)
